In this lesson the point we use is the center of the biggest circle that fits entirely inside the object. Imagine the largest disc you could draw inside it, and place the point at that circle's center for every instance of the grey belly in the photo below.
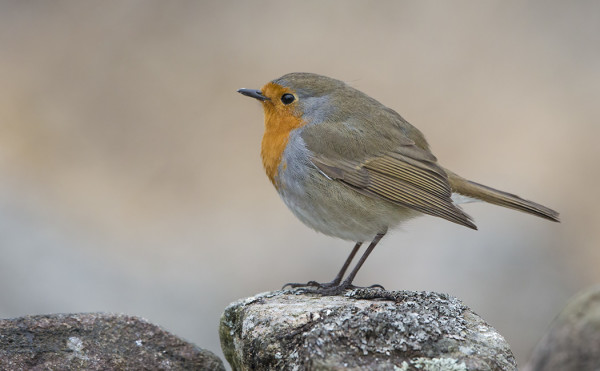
(335, 209)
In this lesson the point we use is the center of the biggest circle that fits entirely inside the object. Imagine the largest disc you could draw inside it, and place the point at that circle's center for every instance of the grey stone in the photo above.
(96, 341)
(573, 342)
(367, 329)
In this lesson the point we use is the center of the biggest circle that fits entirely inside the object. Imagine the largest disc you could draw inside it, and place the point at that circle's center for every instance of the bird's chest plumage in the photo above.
(278, 127)
(326, 205)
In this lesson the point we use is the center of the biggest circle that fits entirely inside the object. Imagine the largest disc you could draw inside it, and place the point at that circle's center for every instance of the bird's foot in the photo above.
(312, 284)
(329, 288)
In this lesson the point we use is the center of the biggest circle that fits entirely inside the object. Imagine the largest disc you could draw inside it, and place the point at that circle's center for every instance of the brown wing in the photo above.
(372, 149)
(407, 176)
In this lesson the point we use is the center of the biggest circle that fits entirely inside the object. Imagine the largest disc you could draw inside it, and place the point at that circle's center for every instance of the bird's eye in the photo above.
(287, 98)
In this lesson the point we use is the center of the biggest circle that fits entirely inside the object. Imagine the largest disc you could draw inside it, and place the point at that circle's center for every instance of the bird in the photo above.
(350, 167)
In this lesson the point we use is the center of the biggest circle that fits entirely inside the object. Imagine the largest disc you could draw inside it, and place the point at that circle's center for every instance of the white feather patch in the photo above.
(457, 198)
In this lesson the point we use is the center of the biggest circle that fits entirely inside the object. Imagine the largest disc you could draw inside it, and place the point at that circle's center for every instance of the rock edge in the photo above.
(368, 329)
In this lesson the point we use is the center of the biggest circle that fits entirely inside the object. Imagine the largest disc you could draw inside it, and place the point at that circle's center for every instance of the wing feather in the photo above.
(418, 184)
(428, 180)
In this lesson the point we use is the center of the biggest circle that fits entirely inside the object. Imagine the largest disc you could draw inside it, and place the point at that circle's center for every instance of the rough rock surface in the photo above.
(573, 342)
(96, 341)
(367, 329)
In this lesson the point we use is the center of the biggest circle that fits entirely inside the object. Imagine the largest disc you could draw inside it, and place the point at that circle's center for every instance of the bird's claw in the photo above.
(293, 285)
(329, 288)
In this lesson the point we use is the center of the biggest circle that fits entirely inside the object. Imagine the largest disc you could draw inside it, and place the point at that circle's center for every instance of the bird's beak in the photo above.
(256, 94)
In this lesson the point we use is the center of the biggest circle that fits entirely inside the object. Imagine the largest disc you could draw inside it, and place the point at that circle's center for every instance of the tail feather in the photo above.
(468, 188)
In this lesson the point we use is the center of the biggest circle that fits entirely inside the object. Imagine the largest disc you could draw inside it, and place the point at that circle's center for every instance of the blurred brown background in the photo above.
(130, 171)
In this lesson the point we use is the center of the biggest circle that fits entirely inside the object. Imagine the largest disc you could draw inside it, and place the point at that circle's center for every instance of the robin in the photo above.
(350, 167)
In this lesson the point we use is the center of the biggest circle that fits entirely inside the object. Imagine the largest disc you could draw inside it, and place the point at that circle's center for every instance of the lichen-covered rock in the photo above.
(367, 329)
(573, 342)
(96, 341)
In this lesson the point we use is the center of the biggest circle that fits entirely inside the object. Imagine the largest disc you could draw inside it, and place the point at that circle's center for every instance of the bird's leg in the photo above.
(338, 278)
(348, 281)
(336, 281)
(333, 288)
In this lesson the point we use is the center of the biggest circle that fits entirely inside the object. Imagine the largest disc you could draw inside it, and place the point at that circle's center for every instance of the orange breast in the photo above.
(280, 120)
(278, 125)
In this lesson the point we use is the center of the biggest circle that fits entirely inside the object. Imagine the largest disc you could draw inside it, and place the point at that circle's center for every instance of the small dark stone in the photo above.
(96, 341)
